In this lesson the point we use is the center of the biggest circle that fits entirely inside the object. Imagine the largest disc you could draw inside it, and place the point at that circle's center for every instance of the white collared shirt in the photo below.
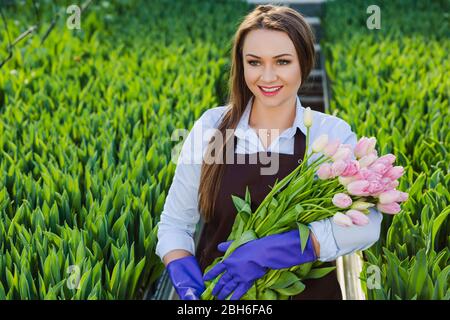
(180, 214)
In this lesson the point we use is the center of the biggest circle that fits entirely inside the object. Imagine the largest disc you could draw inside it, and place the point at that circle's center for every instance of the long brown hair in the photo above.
(271, 17)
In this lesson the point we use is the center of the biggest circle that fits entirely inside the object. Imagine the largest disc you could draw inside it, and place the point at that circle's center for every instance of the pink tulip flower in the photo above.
(394, 184)
(324, 172)
(338, 167)
(394, 172)
(346, 180)
(351, 168)
(320, 143)
(367, 160)
(387, 159)
(364, 146)
(342, 153)
(369, 175)
(358, 218)
(403, 196)
(389, 196)
(391, 208)
(342, 220)
(358, 188)
(375, 187)
(342, 200)
(331, 148)
(379, 167)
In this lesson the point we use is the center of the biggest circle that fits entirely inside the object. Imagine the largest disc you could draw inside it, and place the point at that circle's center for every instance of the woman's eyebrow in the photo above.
(280, 55)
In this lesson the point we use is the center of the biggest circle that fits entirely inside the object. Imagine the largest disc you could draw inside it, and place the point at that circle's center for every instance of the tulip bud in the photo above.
(342, 154)
(358, 218)
(393, 184)
(391, 208)
(403, 196)
(320, 143)
(307, 117)
(379, 168)
(342, 220)
(367, 160)
(387, 159)
(331, 148)
(324, 171)
(394, 172)
(358, 188)
(351, 168)
(361, 205)
(361, 147)
(389, 196)
(371, 145)
(338, 167)
(346, 180)
(342, 200)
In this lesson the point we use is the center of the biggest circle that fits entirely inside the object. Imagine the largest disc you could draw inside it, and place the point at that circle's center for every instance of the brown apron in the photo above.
(235, 179)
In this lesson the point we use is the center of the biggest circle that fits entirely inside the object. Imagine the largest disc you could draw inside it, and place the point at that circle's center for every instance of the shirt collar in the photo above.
(243, 125)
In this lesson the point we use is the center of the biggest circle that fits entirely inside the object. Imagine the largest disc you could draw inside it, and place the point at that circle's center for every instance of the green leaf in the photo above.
(120, 223)
(2, 292)
(438, 222)
(120, 197)
(115, 278)
(418, 274)
(136, 276)
(416, 188)
(318, 273)
(285, 280)
(248, 198)
(304, 235)
(268, 294)
(441, 284)
(24, 289)
(238, 203)
(303, 269)
(296, 288)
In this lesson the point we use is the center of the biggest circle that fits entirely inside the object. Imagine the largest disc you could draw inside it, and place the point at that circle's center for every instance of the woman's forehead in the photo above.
(268, 43)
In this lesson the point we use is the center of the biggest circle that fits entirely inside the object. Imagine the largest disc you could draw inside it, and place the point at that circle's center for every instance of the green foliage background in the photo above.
(394, 84)
(86, 121)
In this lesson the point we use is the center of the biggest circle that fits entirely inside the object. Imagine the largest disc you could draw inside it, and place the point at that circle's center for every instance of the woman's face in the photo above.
(270, 60)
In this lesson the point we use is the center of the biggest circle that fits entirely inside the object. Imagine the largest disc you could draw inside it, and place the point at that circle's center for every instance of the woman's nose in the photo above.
(269, 75)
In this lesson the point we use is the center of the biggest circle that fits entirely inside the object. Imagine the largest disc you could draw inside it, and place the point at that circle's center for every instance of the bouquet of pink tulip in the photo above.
(355, 180)
(367, 176)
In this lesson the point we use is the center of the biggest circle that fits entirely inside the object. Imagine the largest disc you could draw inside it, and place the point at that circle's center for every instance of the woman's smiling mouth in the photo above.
(270, 91)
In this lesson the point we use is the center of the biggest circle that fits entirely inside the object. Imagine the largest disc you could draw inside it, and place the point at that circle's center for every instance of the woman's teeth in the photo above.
(271, 91)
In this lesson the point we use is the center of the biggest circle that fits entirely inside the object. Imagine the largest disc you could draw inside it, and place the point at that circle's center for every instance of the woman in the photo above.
(273, 54)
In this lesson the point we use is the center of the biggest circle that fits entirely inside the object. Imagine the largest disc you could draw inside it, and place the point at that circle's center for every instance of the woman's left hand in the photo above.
(252, 260)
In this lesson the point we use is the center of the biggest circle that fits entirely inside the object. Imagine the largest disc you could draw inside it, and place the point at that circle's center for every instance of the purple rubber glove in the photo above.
(253, 259)
(186, 277)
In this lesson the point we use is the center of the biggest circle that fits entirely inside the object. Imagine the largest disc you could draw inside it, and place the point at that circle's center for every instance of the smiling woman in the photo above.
(272, 55)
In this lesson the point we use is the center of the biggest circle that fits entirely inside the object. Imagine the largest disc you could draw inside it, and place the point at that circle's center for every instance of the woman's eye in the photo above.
(251, 62)
(284, 62)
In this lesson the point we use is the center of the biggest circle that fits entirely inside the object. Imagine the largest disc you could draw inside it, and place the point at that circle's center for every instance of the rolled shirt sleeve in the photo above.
(336, 241)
